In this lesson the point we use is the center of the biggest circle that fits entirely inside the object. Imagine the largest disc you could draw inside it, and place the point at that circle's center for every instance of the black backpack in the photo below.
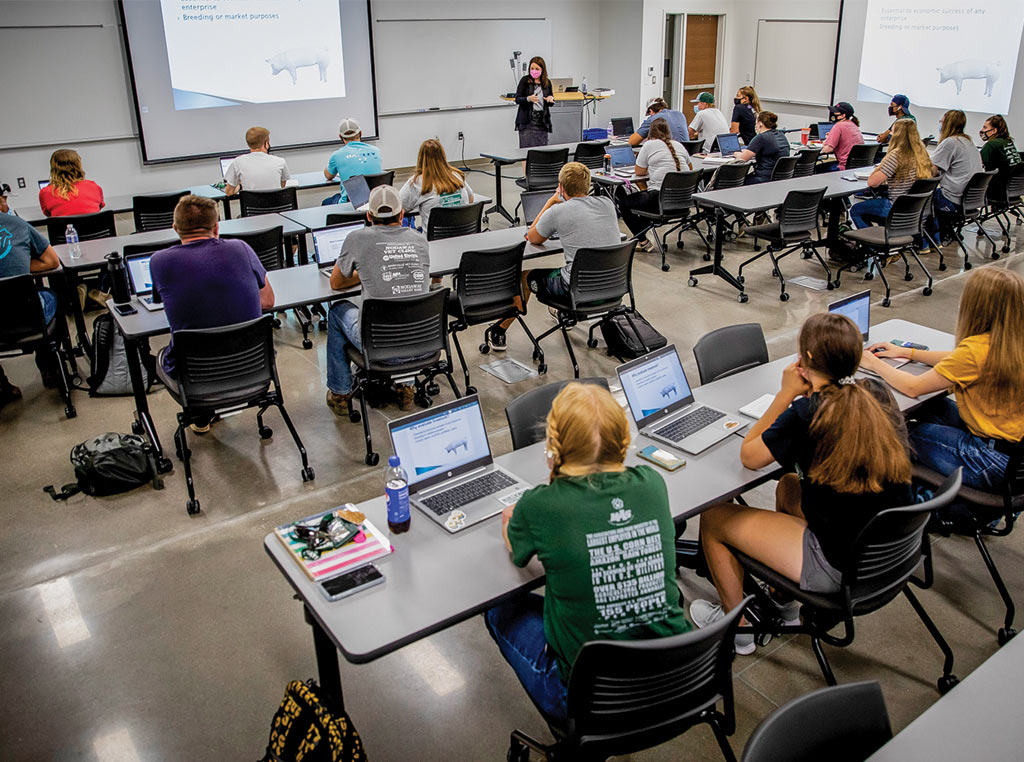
(309, 727)
(108, 363)
(626, 343)
(108, 465)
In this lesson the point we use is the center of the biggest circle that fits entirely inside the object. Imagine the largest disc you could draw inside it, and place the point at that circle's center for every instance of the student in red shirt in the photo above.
(69, 192)
(844, 135)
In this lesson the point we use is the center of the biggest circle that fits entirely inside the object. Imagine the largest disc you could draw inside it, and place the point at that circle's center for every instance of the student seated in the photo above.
(956, 160)
(660, 155)
(353, 158)
(592, 502)
(999, 152)
(767, 147)
(708, 122)
(435, 183)
(844, 135)
(258, 169)
(906, 161)
(900, 109)
(69, 192)
(579, 220)
(843, 441)
(8, 392)
(746, 107)
(386, 261)
(984, 371)
(657, 108)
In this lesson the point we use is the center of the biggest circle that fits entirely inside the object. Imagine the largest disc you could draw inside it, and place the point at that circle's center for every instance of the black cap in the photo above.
(842, 108)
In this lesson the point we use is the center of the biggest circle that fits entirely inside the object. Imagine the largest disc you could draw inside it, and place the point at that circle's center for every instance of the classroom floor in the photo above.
(131, 631)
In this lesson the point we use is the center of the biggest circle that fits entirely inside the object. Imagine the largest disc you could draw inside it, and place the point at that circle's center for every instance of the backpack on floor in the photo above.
(304, 728)
(624, 342)
(109, 465)
(108, 363)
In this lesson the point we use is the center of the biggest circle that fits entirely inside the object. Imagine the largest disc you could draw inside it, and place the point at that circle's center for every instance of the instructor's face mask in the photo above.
(535, 73)
(736, 101)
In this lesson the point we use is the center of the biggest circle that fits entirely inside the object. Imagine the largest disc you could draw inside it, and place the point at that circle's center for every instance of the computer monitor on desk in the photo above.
(622, 126)
(728, 143)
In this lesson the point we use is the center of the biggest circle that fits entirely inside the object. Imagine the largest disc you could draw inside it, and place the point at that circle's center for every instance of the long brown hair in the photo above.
(908, 150)
(434, 171)
(544, 81)
(751, 94)
(65, 172)
(661, 131)
(857, 448)
(993, 303)
(953, 123)
(999, 125)
(587, 431)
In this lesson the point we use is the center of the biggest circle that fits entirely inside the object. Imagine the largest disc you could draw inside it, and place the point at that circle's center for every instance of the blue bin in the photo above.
(595, 133)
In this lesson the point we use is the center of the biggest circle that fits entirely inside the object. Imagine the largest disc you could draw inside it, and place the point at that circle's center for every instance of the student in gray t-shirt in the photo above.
(388, 261)
(957, 160)
(580, 221)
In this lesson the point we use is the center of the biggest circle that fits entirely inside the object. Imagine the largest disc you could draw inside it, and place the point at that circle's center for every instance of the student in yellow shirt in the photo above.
(986, 373)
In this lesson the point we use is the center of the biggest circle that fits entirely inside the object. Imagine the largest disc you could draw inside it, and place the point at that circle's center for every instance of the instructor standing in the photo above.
(533, 119)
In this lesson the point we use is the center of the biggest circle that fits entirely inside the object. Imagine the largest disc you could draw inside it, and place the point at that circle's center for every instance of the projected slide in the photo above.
(230, 52)
(942, 53)
(655, 384)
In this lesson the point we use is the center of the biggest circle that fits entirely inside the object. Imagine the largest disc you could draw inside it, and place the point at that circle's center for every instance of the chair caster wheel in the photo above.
(886, 302)
(968, 265)
(927, 291)
(355, 416)
(266, 432)
(432, 389)
(742, 298)
(908, 276)
(869, 276)
(537, 355)
(542, 369)
(1004, 635)
(192, 506)
(783, 297)
(946, 683)
(276, 323)
(741, 279)
(307, 344)
(680, 244)
(470, 390)
(69, 411)
(692, 282)
(372, 459)
(308, 474)
(423, 400)
(136, 428)
(830, 286)
(763, 639)
(757, 247)
(322, 325)
(592, 343)
(665, 268)
(706, 257)
(164, 466)
(942, 266)
(484, 348)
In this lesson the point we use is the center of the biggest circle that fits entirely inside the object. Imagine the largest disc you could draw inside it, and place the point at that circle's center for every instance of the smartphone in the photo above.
(662, 458)
(909, 345)
(351, 582)
(125, 309)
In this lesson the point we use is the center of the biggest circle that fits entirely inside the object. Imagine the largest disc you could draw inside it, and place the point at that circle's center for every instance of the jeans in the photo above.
(940, 205)
(517, 626)
(337, 198)
(49, 302)
(342, 330)
(942, 442)
(872, 210)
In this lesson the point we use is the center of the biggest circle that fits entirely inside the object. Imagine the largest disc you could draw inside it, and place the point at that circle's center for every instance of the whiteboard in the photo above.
(795, 60)
(450, 63)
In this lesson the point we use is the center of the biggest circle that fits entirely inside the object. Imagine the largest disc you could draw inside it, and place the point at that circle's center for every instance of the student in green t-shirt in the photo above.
(999, 153)
(606, 540)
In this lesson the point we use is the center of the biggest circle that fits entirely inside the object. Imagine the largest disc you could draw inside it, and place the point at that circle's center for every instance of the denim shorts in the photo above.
(817, 575)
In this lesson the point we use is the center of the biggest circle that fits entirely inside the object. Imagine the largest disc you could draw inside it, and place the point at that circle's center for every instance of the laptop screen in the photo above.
(654, 382)
(138, 273)
(533, 202)
(622, 126)
(858, 309)
(357, 189)
(435, 444)
(823, 129)
(43, 184)
(327, 242)
(225, 162)
(622, 156)
(728, 143)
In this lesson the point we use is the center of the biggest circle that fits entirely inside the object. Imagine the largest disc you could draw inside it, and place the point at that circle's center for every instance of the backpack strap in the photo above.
(102, 339)
(68, 490)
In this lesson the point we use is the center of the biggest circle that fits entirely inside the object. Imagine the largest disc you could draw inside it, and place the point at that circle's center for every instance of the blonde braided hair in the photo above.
(587, 432)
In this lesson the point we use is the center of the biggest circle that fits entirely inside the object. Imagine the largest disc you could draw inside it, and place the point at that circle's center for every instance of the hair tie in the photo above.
(847, 381)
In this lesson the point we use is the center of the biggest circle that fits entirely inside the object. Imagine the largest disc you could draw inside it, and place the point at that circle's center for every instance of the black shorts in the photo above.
(545, 282)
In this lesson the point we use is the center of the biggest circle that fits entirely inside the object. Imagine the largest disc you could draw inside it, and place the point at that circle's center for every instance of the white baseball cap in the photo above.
(349, 128)
(384, 201)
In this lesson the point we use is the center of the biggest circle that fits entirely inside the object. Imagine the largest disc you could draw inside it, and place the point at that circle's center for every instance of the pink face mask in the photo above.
(535, 73)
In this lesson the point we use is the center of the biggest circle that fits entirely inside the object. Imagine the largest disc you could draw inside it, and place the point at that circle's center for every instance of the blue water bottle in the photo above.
(396, 492)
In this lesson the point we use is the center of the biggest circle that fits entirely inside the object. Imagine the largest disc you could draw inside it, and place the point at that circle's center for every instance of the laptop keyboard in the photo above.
(689, 424)
(467, 492)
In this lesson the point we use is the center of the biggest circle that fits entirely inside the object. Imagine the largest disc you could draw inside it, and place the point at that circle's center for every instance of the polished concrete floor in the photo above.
(130, 631)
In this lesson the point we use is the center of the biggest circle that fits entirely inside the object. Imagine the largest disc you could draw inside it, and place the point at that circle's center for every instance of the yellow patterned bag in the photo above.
(305, 730)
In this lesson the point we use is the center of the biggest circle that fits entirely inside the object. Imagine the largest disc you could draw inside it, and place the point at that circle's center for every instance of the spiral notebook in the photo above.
(369, 545)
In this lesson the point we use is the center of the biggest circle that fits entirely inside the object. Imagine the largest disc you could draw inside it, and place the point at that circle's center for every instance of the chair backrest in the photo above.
(862, 155)
(400, 328)
(268, 245)
(130, 249)
(976, 192)
(728, 350)
(1010, 186)
(676, 193)
(799, 212)
(926, 185)
(543, 166)
(88, 226)
(342, 218)
(1013, 480)
(629, 695)
(272, 201)
(601, 276)
(693, 146)
(487, 282)
(729, 176)
(21, 312)
(806, 159)
(453, 221)
(155, 212)
(906, 216)
(784, 167)
(380, 178)
(527, 414)
(590, 155)
(842, 723)
(224, 367)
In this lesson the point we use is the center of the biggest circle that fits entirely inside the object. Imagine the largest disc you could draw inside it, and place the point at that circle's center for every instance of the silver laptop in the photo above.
(663, 407)
(225, 162)
(858, 309)
(622, 160)
(141, 280)
(446, 455)
(327, 243)
(533, 202)
(358, 192)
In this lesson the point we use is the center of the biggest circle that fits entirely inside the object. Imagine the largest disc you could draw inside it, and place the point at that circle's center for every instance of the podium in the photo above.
(567, 116)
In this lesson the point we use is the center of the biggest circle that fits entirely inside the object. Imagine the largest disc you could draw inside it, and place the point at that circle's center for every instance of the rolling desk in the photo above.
(33, 215)
(314, 217)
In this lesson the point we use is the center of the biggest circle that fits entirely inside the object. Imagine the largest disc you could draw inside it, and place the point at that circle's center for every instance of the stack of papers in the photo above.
(758, 407)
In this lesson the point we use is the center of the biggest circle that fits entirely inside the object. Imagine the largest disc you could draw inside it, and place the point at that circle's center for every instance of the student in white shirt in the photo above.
(256, 170)
(435, 183)
(707, 121)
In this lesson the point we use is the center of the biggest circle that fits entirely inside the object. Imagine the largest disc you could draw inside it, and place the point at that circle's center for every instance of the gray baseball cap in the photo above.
(384, 201)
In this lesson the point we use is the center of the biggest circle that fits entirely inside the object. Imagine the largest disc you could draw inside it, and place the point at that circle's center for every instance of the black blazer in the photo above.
(524, 90)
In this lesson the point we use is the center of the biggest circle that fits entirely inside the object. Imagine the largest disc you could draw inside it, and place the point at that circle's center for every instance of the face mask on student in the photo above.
(892, 111)
(535, 73)
(735, 101)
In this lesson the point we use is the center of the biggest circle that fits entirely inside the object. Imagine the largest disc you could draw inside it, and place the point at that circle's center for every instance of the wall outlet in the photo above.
(21, 182)
(461, 136)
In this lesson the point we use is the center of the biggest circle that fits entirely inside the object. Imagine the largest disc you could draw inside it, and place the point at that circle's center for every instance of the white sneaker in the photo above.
(704, 613)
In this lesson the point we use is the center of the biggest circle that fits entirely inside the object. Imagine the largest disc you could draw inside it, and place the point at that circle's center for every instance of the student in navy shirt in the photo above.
(658, 109)
(746, 107)
(767, 147)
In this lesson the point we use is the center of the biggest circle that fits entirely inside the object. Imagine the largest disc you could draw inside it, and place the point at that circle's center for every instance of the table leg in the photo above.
(497, 196)
(303, 253)
(715, 268)
(69, 284)
(326, 660)
(835, 212)
(143, 423)
(227, 207)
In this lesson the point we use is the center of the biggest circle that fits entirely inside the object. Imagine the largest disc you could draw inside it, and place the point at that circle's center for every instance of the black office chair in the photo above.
(527, 414)
(542, 168)
(972, 209)
(693, 147)
(843, 723)
(155, 212)
(862, 155)
(1004, 200)
(886, 555)
(343, 218)
(878, 244)
(23, 331)
(675, 207)
(487, 286)
(986, 509)
(380, 178)
(453, 221)
(806, 161)
(785, 167)
(724, 177)
(590, 155)
(629, 695)
(797, 225)
(401, 337)
(929, 185)
(88, 226)
(600, 278)
(729, 350)
(273, 201)
(132, 249)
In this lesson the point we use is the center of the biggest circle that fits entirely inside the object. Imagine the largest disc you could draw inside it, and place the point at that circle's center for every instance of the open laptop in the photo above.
(452, 477)
(858, 309)
(823, 130)
(663, 407)
(225, 162)
(533, 202)
(358, 192)
(43, 184)
(623, 160)
(327, 243)
(141, 281)
(728, 143)
(622, 126)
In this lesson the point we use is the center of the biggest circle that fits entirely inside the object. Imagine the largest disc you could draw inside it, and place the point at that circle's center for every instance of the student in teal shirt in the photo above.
(353, 158)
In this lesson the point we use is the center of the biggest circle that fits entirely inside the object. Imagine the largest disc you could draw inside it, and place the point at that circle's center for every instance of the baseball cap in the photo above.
(842, 108)
(349, 128)
(384, 201)
(704, 98)
(902, 101)
(5, 189)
